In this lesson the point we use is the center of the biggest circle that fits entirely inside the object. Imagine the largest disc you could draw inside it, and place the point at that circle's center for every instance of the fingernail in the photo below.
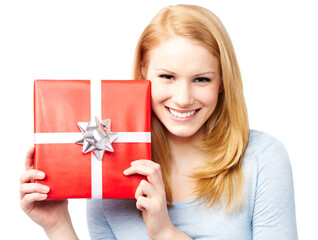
(41, 174)
(126, 172)
(43, 196)
(45, 189)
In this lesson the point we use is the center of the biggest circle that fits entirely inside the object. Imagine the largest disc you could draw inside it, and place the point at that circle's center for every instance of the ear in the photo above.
(143, 71)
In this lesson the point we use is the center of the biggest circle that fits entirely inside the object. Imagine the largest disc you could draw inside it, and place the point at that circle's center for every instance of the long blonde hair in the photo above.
(220, 178)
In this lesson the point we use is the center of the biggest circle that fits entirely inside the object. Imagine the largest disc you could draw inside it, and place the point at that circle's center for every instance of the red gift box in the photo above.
(58, 107)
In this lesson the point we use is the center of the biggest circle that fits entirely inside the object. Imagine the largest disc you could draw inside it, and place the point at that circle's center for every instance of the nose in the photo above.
(182, 94)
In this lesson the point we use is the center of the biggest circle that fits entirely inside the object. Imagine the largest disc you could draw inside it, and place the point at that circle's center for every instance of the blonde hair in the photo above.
(220, 178)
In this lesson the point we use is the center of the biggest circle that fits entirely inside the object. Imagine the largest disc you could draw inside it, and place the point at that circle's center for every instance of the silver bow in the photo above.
(97, 137)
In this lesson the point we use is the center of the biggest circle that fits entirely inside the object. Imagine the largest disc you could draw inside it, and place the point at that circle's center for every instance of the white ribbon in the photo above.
(72, 137)
(96, 166)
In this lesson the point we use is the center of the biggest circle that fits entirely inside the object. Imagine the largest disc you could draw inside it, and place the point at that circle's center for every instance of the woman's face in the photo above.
(185, 79)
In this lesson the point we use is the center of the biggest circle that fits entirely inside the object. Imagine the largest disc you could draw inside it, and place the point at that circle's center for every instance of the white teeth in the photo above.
(181, 115)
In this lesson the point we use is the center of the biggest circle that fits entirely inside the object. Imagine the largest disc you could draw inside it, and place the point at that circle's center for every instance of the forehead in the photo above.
(181, 53)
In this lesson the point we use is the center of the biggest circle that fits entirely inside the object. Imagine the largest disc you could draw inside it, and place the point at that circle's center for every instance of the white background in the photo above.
(275, 42)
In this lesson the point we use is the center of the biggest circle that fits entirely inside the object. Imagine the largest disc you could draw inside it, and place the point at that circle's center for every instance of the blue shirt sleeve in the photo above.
(97, 223)
(274, 204)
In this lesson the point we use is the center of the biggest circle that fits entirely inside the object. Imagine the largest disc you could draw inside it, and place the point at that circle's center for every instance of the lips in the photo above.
(182, 113)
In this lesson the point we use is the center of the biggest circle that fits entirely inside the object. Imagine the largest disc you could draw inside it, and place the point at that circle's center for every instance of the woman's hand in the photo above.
(151, 199)
(53, 216)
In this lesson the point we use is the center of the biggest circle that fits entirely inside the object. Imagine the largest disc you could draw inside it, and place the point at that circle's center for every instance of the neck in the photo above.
(185, 152)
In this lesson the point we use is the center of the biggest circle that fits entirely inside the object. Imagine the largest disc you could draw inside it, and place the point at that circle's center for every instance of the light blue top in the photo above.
(268, 212)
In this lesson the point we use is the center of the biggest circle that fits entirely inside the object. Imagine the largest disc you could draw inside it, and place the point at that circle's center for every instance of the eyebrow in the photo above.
(204, 73)
(199, 74)
(162, 69)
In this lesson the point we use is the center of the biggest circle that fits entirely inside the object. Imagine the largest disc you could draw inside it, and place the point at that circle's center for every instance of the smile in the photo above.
(182, 114)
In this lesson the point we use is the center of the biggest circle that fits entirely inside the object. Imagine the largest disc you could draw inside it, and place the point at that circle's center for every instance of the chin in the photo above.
(182, 133)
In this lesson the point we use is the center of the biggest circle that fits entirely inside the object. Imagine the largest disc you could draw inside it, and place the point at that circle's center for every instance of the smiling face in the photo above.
(185, 80)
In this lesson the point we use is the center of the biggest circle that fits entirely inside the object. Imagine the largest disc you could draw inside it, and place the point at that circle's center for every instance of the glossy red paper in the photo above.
(60, 104)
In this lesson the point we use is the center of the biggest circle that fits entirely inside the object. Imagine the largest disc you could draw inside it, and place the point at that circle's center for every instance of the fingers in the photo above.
(145, 189)
(147, 168)
(143, 203)
(27, 187)
(29, 158)
(31, 174)
(149, 199)
(33, 197)
(28, 201)
(143, 194)
(145, 162)
(150, 195)
(32, 192)
(34, 188)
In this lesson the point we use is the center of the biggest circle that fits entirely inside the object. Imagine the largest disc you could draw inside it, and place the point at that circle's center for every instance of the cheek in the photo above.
(159, 93)
(157, 100)
(209, 98)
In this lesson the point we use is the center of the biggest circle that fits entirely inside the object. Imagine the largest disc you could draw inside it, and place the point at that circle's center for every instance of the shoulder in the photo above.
(261, 142)
(264, 148)
(266, 157)
(267, 165)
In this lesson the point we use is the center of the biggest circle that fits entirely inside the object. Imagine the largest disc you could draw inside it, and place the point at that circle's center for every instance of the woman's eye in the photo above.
(202, 79)
(166, 76)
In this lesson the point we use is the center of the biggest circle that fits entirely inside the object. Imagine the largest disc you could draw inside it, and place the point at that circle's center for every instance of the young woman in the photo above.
(211, 177)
